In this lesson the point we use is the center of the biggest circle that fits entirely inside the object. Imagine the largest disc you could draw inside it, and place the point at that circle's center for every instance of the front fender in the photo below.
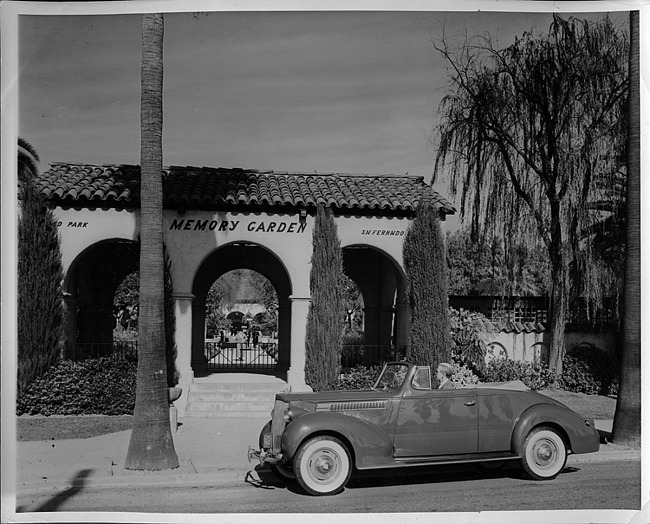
(581, 434)
(371, 445)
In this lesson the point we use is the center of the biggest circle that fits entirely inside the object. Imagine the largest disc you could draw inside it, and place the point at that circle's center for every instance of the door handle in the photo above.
(470, 403)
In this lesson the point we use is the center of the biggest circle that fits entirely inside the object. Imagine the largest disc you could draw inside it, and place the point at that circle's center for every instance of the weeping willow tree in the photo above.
(526, 130)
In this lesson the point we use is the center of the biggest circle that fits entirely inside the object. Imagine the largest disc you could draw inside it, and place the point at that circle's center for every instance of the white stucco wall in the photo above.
(80, 229)
(193, 235)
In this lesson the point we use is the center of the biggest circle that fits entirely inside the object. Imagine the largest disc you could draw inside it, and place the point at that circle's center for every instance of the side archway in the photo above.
(89, 288)
(382, 283)
(242, 256)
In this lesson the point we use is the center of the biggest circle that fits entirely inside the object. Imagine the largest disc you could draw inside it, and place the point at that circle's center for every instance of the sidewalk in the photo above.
(210, 450)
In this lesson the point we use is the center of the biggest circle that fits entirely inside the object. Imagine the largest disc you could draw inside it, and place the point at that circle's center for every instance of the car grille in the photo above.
(277, 424)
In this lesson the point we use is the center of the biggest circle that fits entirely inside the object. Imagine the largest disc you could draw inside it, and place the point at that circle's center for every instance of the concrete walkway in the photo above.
(210, 450)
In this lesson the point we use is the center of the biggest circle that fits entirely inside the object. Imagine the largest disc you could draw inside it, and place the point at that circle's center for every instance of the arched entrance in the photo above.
(386, 315)
(271, 359)
(89, 287)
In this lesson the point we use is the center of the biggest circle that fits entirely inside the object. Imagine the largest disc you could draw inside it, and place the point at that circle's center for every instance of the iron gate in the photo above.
(241, 355)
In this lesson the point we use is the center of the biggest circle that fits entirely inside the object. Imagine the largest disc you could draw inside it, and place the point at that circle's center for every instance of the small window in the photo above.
(422, 378)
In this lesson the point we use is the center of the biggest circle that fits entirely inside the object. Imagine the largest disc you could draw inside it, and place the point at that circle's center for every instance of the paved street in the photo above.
(605, 485)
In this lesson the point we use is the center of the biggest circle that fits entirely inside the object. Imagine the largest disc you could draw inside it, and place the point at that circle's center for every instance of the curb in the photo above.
(187, 475)
(219, 477)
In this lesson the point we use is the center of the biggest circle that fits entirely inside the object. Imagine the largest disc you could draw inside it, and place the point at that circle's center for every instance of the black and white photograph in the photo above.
(320, 261)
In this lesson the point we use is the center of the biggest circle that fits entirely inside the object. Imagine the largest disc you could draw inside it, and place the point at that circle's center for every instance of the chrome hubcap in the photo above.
(324, 466)
(544, 453)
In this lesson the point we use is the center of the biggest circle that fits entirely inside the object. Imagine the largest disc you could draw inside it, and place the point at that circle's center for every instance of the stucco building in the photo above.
(217, 220)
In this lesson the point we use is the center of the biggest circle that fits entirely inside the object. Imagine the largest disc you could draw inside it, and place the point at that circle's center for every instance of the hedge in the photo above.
(101, 386)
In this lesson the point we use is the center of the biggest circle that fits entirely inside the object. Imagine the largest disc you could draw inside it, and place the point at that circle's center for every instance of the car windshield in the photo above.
(392, 376)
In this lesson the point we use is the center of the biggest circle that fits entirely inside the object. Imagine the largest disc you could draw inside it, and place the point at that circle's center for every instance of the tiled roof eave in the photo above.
(81, 185)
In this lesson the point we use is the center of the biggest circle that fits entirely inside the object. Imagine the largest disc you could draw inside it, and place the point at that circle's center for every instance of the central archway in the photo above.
(242, 256)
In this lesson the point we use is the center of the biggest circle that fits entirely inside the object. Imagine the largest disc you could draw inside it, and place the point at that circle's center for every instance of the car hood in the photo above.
(334, 396)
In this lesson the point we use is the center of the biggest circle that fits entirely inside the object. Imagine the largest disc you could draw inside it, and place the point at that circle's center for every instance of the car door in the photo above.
(436, 422)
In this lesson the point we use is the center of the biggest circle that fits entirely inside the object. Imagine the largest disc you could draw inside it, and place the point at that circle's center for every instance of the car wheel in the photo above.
(544, 454)
(283, 471)
(322, 465)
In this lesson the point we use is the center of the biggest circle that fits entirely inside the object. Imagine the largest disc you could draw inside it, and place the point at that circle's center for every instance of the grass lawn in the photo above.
(589, 406)
(69, 427)
(86, 426)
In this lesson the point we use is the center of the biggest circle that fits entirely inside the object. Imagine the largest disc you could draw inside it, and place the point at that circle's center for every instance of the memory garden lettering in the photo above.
(232, 225)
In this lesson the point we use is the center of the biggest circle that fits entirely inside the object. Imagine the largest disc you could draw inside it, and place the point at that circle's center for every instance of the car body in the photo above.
(319, 438)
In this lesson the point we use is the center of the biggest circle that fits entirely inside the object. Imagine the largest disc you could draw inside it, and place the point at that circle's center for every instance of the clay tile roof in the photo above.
(118, 186)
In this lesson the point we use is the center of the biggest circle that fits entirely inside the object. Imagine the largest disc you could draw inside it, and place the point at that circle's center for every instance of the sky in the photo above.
(346, 92)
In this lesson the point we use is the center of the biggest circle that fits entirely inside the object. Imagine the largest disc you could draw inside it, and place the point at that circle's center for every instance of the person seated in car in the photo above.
(444, 374)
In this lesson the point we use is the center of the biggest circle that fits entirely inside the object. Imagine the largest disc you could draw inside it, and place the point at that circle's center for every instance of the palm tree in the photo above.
(627, 420)
(151, 446)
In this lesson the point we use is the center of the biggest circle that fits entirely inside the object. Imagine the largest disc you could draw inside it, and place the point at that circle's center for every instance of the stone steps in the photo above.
(225, 399)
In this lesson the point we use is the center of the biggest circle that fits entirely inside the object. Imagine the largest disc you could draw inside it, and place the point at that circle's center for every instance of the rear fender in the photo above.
(371, 445)
(580, 436)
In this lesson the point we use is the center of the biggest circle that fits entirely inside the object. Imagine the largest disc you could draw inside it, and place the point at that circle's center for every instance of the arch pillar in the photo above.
(296, 372)
(183, 336)
(183, 341)
(70, 302)
(402, 324)
(197, 323)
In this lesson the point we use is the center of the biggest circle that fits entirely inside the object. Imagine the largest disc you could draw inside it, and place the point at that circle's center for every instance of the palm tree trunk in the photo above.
(627, 420)
(151, 446)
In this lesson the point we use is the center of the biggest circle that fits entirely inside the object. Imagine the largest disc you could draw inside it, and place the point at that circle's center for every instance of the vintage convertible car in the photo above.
(319, 438)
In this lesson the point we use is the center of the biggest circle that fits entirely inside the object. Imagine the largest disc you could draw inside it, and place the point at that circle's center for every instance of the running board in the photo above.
(401, 462)
(454, 459)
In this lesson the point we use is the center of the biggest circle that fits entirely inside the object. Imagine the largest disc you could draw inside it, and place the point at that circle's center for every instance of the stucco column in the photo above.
(402, 324)
(70, 326)
(296, 373)
(183, 341)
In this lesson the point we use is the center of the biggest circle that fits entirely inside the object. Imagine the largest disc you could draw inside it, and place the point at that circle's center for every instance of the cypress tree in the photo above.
(324, 336)
(40, 310)
(426, 273)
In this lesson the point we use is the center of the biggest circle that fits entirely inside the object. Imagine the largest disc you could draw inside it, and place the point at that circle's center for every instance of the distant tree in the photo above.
(324, 336)
(426, 273)
(627, 419)
(482, 267)
(525, 131)
(353, 306)
(40, 311)
(241, 285)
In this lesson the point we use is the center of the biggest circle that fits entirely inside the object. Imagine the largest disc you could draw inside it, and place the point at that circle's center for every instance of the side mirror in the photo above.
(422, 378)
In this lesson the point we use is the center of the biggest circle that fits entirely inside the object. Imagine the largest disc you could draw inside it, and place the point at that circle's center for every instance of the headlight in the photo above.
(288, 415)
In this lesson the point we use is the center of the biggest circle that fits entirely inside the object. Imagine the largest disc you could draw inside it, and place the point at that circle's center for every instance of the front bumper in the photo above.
(263, 456)
(270, 441)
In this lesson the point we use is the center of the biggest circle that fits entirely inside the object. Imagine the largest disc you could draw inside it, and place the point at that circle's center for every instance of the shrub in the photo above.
(469, 347)
(324, 330)
(40, 308)
(463, 375)
(359, 377)
(100, 386)
(423, 253)
(589, 370)
(535, 375)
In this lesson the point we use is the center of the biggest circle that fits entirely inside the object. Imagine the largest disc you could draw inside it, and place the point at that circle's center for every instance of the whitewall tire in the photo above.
(322, 465)
(545, 454)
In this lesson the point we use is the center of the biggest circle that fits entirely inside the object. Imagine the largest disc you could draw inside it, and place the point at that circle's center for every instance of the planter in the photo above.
(174, 394)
